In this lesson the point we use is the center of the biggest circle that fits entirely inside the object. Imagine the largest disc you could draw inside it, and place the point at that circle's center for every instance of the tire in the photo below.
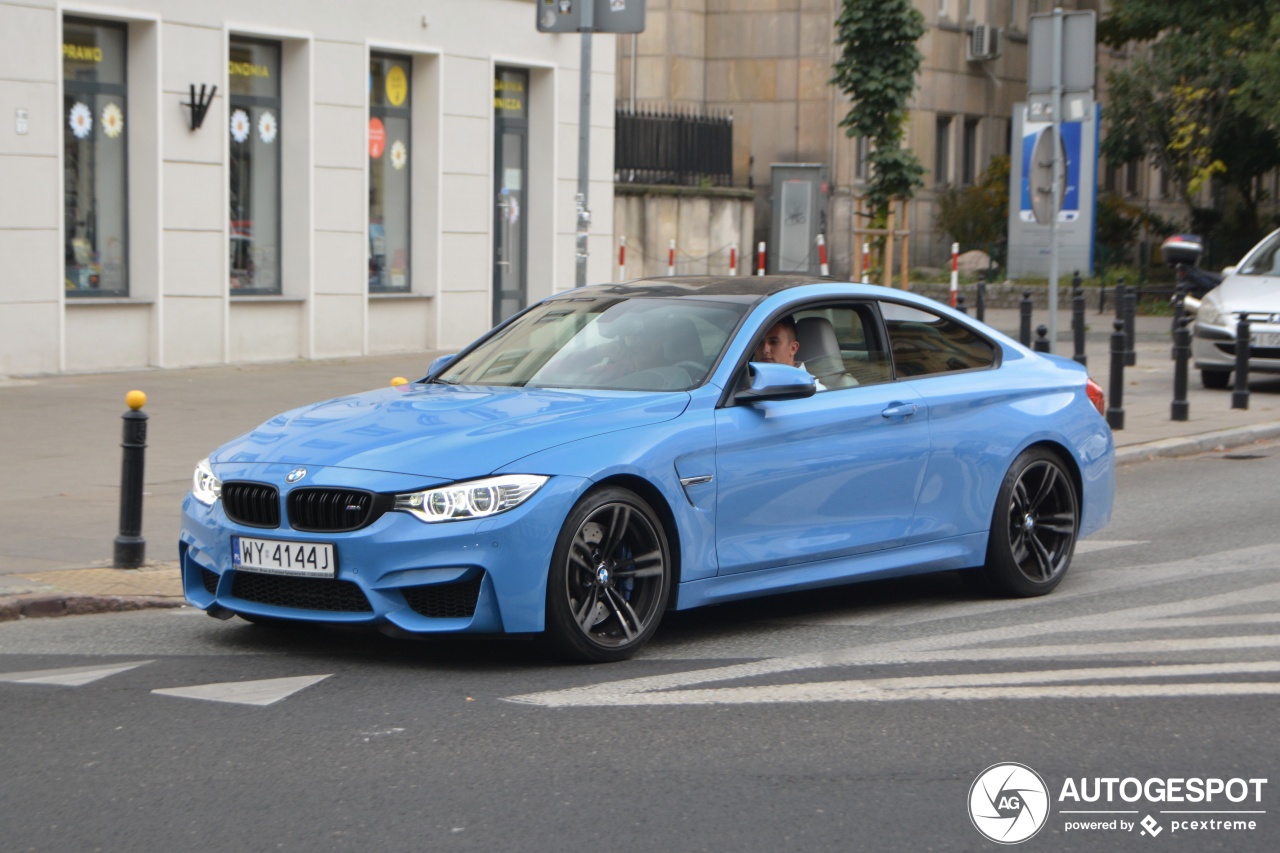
(610, 578)
(1215, 379)
(1033, 527)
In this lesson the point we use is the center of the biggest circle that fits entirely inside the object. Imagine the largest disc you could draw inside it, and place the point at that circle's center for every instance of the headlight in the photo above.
(205, 487)
(476, 499)
(1208, 314)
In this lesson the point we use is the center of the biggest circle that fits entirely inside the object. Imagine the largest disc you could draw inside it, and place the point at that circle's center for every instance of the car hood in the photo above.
(443, 431)
(1247, 293)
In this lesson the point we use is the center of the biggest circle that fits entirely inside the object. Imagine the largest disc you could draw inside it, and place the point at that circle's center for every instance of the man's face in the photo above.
(779, 346)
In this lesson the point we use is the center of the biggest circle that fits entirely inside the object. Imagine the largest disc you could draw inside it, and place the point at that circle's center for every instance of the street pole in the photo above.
(1056, 189)
(585, 26)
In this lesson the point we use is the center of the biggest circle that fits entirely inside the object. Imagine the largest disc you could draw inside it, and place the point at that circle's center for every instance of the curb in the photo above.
(74, 604)
(1203, 443)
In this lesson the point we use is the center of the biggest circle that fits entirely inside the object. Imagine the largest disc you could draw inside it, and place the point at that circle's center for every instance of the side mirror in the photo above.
(775, 382)
(1226, 271)
(439, 362)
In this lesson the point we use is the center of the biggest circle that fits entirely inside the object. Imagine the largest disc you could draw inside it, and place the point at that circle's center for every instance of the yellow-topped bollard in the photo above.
(130, 547)
(398, 380)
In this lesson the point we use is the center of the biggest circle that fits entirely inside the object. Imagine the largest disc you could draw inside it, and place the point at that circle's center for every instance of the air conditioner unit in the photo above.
(984, 43)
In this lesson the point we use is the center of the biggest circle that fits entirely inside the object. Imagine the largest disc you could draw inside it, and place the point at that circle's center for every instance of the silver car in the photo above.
(1253, 288)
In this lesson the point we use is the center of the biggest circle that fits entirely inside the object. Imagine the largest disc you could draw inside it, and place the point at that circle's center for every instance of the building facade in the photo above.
(769, 62)
(189, 183)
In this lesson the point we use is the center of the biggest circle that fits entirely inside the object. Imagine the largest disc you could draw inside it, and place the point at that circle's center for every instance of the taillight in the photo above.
(1096, 397)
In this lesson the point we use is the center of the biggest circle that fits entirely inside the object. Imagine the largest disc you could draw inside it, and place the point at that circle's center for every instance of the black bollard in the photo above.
(1115, 411)
(1024, 328)
(1119, 298)
(130, 547)
(982, 301)
(1077, 319)
(1042, 338)
(1181, 355)
(1179, 308)
(1130, 325)
(960, 306)
(1240, 395)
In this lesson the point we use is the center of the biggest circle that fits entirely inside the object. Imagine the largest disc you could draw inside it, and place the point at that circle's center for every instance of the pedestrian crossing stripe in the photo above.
(259, 693)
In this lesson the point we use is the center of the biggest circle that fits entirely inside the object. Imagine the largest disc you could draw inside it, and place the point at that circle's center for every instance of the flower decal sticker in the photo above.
(112, 120)
(81, 121)
(399, 155)
(267, 127)
(239, 125)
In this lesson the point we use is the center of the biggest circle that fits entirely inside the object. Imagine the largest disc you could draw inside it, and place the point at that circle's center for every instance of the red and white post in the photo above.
(622, 259)
(733, 259)
(866, 263)
(760, 258)
(822, 255)
(955, 272)
(671, 258)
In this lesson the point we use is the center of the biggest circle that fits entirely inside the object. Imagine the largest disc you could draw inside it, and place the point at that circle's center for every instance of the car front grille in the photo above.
(333, 596)
(334, 510)
(444, 600)
(1254, 352)
(210, 581)
(251, 504)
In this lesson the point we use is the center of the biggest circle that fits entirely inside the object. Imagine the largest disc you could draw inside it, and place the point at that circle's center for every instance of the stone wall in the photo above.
(1004, 294)
(705, 222)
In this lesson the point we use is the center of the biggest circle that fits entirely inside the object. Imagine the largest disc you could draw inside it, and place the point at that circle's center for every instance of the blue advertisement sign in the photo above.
(1071, 143)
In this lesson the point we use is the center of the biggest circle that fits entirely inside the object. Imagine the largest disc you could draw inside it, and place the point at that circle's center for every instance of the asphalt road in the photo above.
(849, 719)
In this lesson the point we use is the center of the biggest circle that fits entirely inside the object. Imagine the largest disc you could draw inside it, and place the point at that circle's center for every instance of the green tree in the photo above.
(1180, 103)
(877, 69)
(977, 216)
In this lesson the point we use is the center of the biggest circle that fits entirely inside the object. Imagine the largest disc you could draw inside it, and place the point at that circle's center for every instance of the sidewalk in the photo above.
(61, 452)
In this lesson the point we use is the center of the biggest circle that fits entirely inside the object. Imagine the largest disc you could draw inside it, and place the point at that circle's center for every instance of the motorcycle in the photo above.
(1182, 252)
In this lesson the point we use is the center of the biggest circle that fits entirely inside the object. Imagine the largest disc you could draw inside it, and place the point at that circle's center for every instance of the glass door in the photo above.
(511, 156)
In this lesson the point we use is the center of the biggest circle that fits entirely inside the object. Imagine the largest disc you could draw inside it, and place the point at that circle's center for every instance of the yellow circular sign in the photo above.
(397, 85)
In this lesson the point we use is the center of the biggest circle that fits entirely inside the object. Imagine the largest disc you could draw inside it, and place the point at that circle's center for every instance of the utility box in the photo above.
(799, 215)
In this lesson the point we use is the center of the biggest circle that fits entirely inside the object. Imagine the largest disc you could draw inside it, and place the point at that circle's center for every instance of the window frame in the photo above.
(405, 112)
(238, 101)
(86, 90)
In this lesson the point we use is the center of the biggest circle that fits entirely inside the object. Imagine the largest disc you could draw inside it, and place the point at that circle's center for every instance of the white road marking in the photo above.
(70, 676)
(1087, 546)
(261, 693)
(1062, 638)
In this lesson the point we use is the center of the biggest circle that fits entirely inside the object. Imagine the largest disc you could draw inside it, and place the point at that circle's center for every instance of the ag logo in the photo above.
(1008, 803)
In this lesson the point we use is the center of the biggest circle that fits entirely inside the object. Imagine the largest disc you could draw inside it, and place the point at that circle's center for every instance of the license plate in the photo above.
(274, 557)
(1267, 339)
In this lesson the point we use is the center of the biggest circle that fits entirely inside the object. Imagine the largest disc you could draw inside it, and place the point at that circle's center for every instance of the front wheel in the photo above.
(610, 578)
(1033, 528)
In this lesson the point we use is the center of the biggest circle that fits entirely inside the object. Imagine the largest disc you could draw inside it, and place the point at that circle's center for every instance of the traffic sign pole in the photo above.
(1056, 187)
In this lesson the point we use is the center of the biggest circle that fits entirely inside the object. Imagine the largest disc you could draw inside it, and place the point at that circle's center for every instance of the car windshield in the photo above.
(606, 342)
(1264, 259)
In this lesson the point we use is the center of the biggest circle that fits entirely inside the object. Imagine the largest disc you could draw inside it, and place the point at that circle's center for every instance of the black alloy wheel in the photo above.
(610, 578)
(1034, 527)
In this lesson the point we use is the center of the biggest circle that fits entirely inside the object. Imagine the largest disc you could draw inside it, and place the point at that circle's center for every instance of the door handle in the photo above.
(900, 410)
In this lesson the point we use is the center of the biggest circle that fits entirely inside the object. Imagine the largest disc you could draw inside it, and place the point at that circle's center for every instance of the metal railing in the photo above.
(656, 147)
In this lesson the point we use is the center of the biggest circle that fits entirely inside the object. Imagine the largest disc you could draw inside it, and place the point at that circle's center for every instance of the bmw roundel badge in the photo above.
(295, 475)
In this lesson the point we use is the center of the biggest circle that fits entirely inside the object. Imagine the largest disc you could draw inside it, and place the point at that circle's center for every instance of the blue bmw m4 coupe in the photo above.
(617, 451)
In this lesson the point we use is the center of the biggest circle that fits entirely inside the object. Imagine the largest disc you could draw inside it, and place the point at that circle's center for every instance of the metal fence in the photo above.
(652, 147)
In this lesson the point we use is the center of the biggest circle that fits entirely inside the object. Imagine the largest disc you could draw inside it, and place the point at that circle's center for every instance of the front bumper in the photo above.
(482, 576)
(1214, 348)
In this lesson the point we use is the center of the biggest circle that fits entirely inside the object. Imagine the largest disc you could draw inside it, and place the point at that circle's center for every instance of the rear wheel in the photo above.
(1034, 527)
(1215, 379)
(610, 578)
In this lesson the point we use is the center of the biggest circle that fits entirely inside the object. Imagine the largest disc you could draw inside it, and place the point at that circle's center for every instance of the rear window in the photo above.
(924, 343)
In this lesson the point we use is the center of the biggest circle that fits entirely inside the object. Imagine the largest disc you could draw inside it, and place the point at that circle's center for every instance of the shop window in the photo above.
(390, 170)
(95, 197)
(256, 126)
